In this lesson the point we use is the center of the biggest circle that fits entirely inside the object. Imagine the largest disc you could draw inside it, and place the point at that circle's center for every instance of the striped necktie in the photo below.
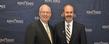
(68, 33)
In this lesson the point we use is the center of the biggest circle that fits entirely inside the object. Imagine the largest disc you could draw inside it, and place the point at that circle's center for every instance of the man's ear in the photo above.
(75, 16)
(62, 14)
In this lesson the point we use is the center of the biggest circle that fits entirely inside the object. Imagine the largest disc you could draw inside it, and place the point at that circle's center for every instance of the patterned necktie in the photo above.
(68, 33)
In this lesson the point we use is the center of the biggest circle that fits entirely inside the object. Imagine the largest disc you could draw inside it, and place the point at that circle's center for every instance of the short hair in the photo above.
(44, 4)
(70, 5)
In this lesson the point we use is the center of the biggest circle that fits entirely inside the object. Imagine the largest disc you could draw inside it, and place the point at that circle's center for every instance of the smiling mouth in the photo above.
(45, 16)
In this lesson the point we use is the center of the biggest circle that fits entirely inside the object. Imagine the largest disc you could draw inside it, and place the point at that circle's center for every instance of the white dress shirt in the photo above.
(71, 27)
(47, 30)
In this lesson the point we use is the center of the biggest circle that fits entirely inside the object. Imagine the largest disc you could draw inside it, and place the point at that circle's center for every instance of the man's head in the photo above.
(68, 12)
(45, 13)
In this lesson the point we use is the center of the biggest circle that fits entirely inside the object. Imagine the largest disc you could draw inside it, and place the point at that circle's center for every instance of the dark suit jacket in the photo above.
(78, 34)
(36, 34)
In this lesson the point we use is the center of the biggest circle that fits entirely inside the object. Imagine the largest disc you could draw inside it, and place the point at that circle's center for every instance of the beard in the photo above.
(68, 16)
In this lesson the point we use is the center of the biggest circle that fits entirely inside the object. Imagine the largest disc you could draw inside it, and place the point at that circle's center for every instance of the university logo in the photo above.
(101, 42)
(93, 12)
(105, 26)
(6, 40)
(53, 1)
(88, 30)
(25, 3)
(10, 21)
(2, 6)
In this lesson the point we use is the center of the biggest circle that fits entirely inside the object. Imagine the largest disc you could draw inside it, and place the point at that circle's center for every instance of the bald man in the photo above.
(69, 31)
(40, 31)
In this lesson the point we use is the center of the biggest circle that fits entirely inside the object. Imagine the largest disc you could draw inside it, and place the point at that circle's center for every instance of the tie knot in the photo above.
(68, 25)
(46, 24)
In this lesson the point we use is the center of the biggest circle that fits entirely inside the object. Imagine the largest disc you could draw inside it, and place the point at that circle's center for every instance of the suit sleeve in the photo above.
(30, 35)
(83, 35)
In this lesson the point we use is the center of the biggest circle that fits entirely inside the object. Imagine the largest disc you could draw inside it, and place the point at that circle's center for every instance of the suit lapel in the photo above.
(63, 31)
(43, 31)
(74, 32)
(51, 33)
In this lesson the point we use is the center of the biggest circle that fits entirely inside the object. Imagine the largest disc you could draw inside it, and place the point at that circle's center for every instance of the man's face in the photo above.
(68, 12)
(45, 13)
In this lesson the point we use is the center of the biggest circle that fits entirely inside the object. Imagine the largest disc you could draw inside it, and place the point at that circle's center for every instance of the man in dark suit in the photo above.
(68, 31)
(40, 31)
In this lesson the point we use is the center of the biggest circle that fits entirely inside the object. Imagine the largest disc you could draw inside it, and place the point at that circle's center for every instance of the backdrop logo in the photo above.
(15, 21)
(6, 40)
(101, 42)
(36, 17)
(2, 6)
(93, 12)
(105, 26)
(25, 3)
(88, 30)
(52, 1)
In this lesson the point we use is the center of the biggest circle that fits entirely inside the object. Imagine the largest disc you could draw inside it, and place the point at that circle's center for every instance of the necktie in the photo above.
(49, 33)
(68, 33)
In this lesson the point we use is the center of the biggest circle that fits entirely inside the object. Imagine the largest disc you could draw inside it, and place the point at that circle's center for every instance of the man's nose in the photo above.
(45, 13)
(69, 14)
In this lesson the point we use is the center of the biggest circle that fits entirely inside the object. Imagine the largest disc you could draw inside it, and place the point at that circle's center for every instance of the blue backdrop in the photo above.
(16, 15)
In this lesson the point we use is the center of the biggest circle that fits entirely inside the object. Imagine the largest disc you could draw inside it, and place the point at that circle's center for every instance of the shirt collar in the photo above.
(43, 22)
(68, 23)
